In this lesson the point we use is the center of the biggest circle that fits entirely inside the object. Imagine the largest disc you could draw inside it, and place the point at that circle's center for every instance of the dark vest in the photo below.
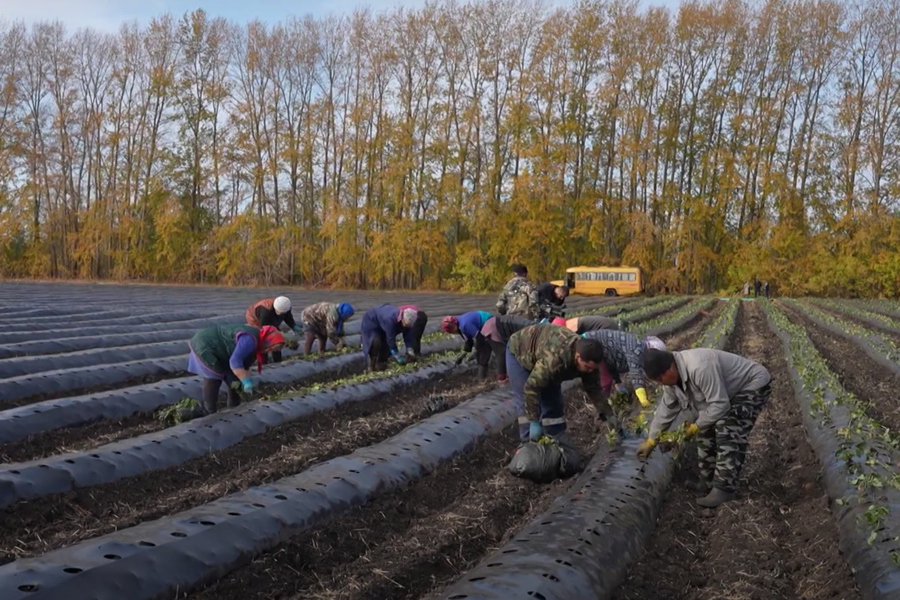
(215, 345)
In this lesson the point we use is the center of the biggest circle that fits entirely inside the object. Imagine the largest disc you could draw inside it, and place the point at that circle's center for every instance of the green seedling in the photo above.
(171, 415)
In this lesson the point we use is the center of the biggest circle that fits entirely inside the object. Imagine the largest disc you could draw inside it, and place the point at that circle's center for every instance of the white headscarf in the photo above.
(408, 317)
(651, 341)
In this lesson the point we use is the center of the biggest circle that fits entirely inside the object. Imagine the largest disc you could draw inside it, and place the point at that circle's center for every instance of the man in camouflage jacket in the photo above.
(325, 321)
(720, 395)
(519, 296)
(538, 359)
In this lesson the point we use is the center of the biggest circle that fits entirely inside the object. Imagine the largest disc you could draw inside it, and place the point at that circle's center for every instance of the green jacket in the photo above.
(519, 297)
(215, 345)
(548, 352)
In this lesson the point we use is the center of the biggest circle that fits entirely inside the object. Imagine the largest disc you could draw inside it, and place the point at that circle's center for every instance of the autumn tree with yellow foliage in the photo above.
(432, 147)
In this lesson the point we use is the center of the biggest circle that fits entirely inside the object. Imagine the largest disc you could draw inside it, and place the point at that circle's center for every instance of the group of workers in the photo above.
(717, 395)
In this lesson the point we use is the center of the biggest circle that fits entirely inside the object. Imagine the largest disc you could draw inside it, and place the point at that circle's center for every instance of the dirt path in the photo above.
(403, 545)
(862, 376)
(31, 528)
(682, 340)
(778, 540)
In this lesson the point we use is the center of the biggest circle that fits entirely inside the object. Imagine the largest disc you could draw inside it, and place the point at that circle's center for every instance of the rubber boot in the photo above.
(211, 395)
(234, 398)
(482, 371)
(502, 379)
(716, 497)
(371, 364)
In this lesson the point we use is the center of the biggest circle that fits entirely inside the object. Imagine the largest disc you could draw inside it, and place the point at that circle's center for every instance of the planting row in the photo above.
(877, 347)
(156, 559)
(181, 443)
(582, 546)
(858, 455)
(20, 422)
(867, 318)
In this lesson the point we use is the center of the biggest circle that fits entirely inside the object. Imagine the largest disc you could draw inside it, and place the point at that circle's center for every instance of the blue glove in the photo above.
(247, 385)
(535, 431)
(297, 329)
(621, 388)
(401, 360)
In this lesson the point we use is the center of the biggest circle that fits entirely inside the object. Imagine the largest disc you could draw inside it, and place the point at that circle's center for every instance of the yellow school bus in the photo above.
(611, 281)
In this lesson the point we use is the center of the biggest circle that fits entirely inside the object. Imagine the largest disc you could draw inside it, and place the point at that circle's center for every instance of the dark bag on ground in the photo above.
(546, 460)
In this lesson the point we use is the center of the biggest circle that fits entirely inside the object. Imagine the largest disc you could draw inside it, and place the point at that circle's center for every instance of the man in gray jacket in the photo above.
(721, 395)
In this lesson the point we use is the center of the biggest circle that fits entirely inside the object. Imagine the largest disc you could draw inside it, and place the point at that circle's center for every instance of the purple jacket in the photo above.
(384, 318)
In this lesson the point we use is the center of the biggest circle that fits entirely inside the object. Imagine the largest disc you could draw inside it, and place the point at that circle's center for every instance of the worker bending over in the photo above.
(225, 353)
(623, 352)
(495, 334)
(379, 330)
(325, 321)
(538, 359)
(272, 312)
(468, 326)
(721, 395)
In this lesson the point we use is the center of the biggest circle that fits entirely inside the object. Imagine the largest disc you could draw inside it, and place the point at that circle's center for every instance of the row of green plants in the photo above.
(888, 307)
(721, 326)
(695, 305)
(867, 448)
(876, 319)
(878, 342)
(171, 415)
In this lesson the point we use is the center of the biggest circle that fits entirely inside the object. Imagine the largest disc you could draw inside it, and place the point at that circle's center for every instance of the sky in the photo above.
(108, 15)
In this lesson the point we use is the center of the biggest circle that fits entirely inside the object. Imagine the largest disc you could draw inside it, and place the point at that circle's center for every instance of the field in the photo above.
(334, 485)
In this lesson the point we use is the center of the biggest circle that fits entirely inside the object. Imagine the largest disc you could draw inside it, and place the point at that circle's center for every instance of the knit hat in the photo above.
(281, 305)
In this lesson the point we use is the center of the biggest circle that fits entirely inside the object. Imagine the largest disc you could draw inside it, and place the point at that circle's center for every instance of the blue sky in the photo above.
(107, 15)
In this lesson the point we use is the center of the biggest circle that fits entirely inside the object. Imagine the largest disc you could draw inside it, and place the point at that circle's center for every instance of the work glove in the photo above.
(297, 329)
(690, 431)
(247, 385)
(621, 388)
(535, 431)
(646, 448)
(641, 394)
(401, 360)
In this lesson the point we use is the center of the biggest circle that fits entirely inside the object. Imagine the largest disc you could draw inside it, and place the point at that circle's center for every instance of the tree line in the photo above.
(433, 147)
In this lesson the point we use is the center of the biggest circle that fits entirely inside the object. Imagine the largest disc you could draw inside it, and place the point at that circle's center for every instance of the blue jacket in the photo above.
(470, 325)
(384, 318)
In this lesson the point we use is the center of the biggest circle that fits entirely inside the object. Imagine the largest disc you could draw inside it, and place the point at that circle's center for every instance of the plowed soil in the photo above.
(405, 544)
(777, 540)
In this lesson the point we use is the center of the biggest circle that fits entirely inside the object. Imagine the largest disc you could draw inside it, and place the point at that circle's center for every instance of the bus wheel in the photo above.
(611, 292)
